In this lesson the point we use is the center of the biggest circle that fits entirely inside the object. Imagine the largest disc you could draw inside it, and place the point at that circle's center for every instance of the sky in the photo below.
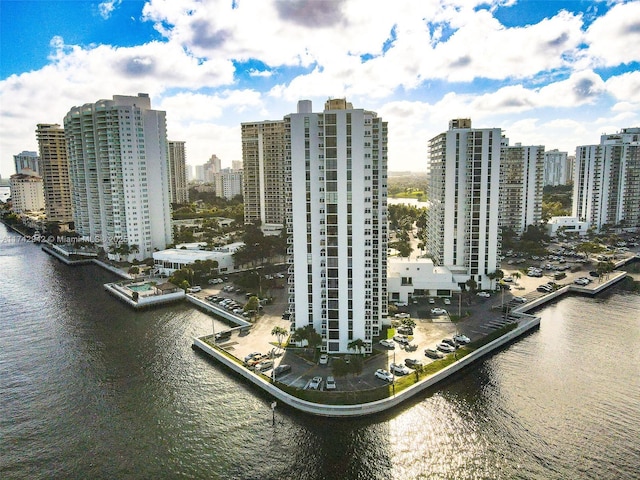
(548, 72)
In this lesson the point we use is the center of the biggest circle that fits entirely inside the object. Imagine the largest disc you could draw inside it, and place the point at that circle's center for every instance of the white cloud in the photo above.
(614, 38)
(538, 81)
(106, 8)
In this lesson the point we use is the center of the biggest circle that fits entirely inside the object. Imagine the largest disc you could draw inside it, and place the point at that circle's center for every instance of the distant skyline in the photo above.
(554, 73)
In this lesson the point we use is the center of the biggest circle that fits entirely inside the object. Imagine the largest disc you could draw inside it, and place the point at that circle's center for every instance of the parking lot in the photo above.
(481, 314)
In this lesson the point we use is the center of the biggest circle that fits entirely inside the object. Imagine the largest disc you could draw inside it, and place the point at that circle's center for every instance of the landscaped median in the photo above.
(370, 401)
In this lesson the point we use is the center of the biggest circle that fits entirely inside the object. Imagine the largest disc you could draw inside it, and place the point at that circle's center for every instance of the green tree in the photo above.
(357, 345)
(472, 284)
(340, 368)
(279, 333)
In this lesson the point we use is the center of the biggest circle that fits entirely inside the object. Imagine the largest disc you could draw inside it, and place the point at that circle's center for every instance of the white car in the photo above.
(330, 384)
(324, 359)
(483, 294)
(388, 343)
(194, 289)
(445, 347)
(315, 383)
(399, 369)
(438, 311)
(447, 301)
(384, 375)
(462, 339)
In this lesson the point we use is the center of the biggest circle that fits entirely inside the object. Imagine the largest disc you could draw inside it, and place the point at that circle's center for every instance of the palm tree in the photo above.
(358, 345)
(280, 333)
(517, 276)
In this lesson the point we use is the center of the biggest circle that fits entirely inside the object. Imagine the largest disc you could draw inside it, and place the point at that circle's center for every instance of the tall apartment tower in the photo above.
(336, 220)
(557, 168)
(120, 173)
(522, 169)
(27, 191)
(178, 172)
(263, 165)
(26, 161)
(606, 187)
(54, 169)
(228, 183)
(463, 221)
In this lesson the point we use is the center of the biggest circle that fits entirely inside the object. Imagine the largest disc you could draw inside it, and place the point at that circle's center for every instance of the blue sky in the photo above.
(554, 73)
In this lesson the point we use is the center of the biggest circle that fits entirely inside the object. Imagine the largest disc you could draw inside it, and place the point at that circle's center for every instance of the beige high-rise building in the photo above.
(263, 164)
(27, 192)
(54, 169)
(522, 171)
(178, 172)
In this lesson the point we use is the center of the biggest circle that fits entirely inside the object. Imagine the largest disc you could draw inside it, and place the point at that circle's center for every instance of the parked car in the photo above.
(330, 384)
(194, 289)
(544, 289)
(402, 315)
(401, 339)
(412, 362)
(252, 355)
(324, 359)
(280, 369)
(450, 341)
(431, 353)
(399, 369)
(404, 330)
(520, 299)
(315, 383)
(264, 365)
(388, 343)
(431, 301)
(223, 335)
(483, 294)
(438, 311)
(462, 339)
(384, 375)
(447, 301)
(445, 347)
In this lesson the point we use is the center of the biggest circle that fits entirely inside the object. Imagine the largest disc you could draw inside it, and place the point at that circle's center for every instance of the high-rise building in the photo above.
(336, 220)
(119, 169)
(27, 192)
(228, 183)
(209, 169)
(557, 168)
(54, 169)
(26, 160)
(263, 166)
(463, 222)
(522, 170)
(606, 187)
(178, 172)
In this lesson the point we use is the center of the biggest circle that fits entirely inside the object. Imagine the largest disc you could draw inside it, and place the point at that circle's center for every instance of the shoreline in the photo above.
(358, 410)
(526, 324)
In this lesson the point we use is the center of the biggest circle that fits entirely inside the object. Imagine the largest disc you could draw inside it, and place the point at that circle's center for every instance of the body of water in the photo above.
(92, 389)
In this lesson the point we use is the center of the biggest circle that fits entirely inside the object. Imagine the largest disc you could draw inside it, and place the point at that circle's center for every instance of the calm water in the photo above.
(91, 389)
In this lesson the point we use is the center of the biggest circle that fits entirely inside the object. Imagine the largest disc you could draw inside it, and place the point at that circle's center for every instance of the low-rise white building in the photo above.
(410, 278)
(166, 262)
(567, 224)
